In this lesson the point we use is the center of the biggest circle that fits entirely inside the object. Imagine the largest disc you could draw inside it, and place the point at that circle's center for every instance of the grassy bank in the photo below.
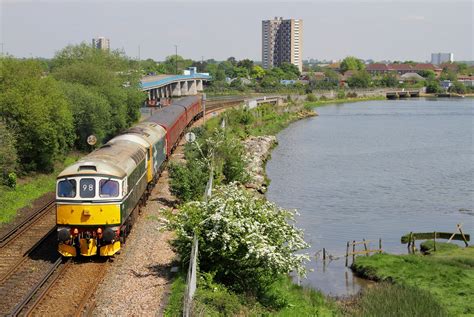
(447, 275)
(27, 190)
(263, 120)
(319, 103)
(283, 298)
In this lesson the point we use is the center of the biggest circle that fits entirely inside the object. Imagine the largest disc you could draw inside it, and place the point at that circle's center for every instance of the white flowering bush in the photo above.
(245, 240)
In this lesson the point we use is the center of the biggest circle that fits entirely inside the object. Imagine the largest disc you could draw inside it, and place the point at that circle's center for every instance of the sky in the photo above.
(378, 30)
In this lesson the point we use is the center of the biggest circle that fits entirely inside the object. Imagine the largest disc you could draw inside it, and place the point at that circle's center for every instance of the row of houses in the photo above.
(380, 69)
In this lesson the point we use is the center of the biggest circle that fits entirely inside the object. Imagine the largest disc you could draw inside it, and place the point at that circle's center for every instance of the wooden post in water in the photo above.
(353, 251)
(347, 253)
(434, 241)
(365, 247)
(380, 245)
(463, 237)
(324, 254)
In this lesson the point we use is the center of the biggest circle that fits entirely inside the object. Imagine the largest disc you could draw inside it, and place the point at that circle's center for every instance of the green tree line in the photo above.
(48, 109)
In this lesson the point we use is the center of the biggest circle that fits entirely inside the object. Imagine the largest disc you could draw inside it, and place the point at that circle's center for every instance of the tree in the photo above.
(246, 63)
(245, 240)
(458, 88)
(257, 72)
(39, 115)
(291, 70)
(105, 74)
(149, 66)
(91, 112)
(8, 155)
(428, 74)
(360, 79)
(447, 74)
(351, 63)
(433, 86)
(175, 64)
(389, 80)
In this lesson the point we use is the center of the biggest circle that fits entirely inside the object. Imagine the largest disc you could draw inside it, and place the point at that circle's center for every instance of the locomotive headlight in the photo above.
(109, 235)
(63, 234)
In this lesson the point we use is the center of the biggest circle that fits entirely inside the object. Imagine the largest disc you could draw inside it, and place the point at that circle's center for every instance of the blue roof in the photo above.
(169, 80)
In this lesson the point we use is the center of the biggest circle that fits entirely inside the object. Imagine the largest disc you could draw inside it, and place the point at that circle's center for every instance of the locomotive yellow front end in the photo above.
(97, 197)
(88, 214)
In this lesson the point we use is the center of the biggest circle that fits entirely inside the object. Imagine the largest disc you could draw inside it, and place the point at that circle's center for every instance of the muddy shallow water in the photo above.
(376, 169)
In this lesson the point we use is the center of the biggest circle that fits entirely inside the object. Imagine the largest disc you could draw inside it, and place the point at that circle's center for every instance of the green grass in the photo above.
(263, 120)
(175, 302)
(27, 190)
(283, 298)
(398, 301)
(448, 275)
(320, 103)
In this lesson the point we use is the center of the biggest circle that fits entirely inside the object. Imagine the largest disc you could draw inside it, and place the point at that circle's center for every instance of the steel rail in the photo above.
(22, 226)
(21, 305)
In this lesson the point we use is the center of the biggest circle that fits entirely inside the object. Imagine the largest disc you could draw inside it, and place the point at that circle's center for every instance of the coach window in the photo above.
(87, 188)
(67, 188)
(108, 188)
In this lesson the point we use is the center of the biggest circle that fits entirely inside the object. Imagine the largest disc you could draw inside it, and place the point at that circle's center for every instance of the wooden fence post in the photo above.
(353, 251)
(347, 253)
(380, 245)
(463, 237)
(324, 254)
(365, 247)
(434, 241)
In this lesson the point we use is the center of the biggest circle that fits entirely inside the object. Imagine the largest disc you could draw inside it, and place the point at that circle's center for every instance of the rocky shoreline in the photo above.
(258, 150)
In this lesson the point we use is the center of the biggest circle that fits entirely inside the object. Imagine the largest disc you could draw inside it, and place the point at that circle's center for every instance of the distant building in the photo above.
(282, 41)
(101, 43)
(400, 69)
(440, 58)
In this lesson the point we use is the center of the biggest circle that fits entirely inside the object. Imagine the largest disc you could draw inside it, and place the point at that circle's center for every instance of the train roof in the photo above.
(144, 133)
(117, 158)
(187, 102)
(167, 116)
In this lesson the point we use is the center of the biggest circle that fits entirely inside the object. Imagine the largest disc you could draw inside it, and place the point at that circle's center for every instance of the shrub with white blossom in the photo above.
(245, 240)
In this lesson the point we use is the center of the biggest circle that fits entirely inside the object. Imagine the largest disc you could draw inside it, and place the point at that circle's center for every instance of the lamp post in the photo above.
(176, 57)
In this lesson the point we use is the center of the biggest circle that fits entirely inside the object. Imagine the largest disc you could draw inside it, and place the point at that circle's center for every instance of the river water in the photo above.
(376, 169)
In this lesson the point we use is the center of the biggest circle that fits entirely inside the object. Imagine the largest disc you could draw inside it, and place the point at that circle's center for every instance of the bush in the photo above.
(352, 94)
(226, 153)
(311, 98)
(246, 241)
(341, 94)
(11, 180)
(433, 87)
(8, 155)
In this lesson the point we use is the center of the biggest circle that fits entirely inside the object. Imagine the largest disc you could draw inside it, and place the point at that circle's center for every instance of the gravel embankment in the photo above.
(139, 279)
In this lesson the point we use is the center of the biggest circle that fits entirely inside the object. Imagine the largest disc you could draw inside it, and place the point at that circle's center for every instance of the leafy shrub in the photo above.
(352, 94)
(224, 152)
(11, 180)
(245, 240)
(311, 98)
(341, 94)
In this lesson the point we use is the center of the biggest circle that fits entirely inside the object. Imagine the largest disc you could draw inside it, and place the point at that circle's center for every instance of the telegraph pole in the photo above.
(176, 57)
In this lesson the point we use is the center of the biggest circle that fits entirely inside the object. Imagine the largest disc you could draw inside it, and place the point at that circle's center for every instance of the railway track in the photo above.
(68, 292)
(24, 238)
(25, 224)
(27, 273)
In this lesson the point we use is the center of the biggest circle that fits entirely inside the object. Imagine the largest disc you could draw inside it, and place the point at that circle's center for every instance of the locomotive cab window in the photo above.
(87, 188)
(67, 188)
(108, 188)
